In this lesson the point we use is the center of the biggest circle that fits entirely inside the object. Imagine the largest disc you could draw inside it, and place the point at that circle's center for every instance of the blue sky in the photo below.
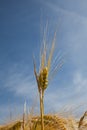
(21, 36)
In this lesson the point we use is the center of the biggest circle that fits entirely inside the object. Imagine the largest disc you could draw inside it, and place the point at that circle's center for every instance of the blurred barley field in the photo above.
(51, 122)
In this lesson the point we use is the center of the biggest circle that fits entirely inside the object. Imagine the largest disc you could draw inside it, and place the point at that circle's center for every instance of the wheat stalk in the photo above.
(82, 119)
(42, 76)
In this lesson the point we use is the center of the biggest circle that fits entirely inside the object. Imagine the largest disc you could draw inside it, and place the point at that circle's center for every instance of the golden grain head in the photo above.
(45, 71)
(43, 78)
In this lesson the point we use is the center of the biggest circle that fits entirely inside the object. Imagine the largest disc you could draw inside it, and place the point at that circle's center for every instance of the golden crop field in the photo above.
(51, 122)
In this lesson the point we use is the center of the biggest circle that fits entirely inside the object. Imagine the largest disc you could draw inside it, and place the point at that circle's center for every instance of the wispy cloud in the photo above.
(80, 82)
(20, 83)
(54, 6)
(21, 86)
(71, 96)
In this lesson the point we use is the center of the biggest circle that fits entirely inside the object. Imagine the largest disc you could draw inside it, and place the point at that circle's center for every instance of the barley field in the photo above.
(51, 122)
